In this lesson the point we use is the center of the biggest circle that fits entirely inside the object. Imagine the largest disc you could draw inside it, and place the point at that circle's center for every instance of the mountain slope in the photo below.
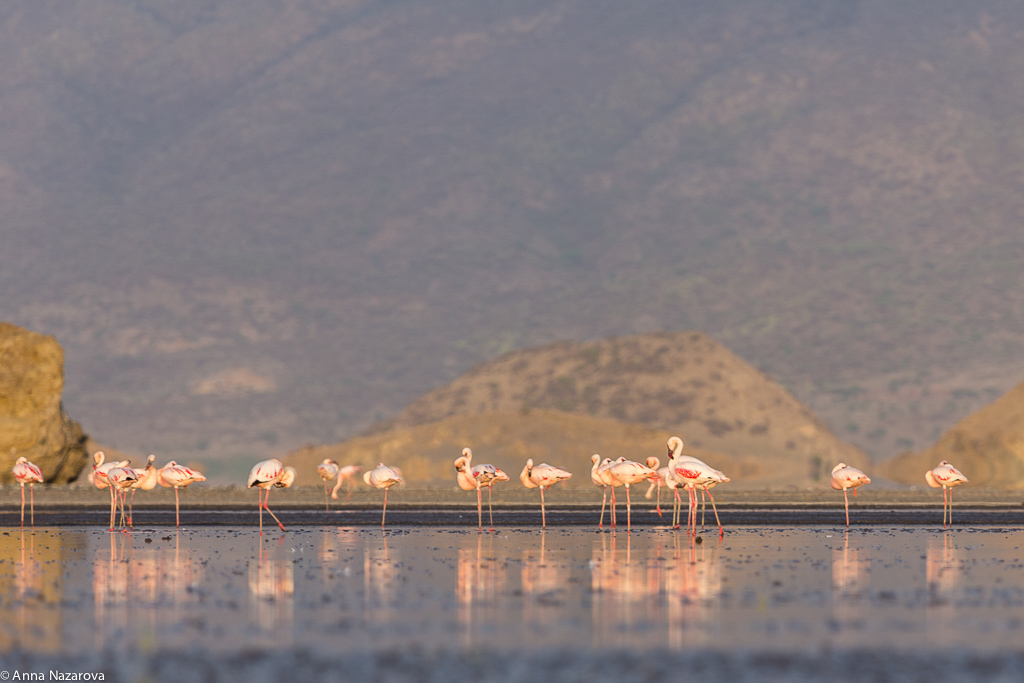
(253, 224)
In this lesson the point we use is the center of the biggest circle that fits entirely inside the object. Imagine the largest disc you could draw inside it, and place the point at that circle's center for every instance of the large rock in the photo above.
(987, 446)
(32, 418)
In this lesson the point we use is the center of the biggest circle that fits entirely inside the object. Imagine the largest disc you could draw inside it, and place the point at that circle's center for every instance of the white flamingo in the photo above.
(347, 473)
(98, 477)
(383, 477)
(544, 476)
(26, 472)
(264, 475)
(629, 472)
(844, 478)
(944, 475)
(327, 470)
(599, 475)
(177, 476)
(697, 474)
(472, 477)
(145, 480)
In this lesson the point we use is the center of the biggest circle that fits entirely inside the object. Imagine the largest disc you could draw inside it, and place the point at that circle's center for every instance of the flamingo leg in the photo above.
(543, 515)
(703, 508)
(267, 507)
(131, 512)
(629, 512)
(23, 506)
(260, 492)
(327, 505)
(479, 510)
(113, 506)
(721, 532)
(385, 513)
(177, 517)
(950, 508)
(490, 510)
(613, 507)
(604, 499)
(32, 507)
(658, 505)
(846, 498)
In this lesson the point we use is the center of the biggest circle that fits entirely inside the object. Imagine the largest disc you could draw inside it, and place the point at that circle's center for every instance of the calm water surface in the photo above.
(339, 589)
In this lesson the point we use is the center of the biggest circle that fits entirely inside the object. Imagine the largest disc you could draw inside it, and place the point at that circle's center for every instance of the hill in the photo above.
(634, 392)
(254, 224)
(987, 446)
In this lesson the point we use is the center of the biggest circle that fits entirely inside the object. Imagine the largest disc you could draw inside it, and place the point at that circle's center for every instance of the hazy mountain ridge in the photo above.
(350, 203)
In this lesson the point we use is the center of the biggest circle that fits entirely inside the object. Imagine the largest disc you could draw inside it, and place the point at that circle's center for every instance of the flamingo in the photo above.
(121, 479)
(145, 479)
(944, 475)
(470, 477)
(599, 475)
(659, 479)
(844, 478)
(99, 479)
(178, 476)
(26, 472)
(697, 474)
(347, 473)
(264, 475)
(629, 472)
(604, 471)
(383, 477)
(327, 470)
(543, 476)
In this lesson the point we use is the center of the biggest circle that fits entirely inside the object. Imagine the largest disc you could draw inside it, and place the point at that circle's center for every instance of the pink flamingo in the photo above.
(697, 474)
(121, 479)
(944, 475)
(347, 473)
(659, 479)
(383, 477)
(544, 476)
(470, 477)
(146, 480)
(327, 470)
(599, 475)
(98, 478)
(629, 472)
(844, 478)
(26, 472)
(178, 476)
(263, 476)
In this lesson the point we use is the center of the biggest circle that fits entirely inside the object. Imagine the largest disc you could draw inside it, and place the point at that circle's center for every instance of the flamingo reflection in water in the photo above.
(271, 589)
(479, 580)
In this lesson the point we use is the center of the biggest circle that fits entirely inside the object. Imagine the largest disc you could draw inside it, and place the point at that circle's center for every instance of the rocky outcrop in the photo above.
(987, 446)
(32, 418)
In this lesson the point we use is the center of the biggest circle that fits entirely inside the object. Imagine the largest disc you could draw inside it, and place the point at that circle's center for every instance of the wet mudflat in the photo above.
(449, 601)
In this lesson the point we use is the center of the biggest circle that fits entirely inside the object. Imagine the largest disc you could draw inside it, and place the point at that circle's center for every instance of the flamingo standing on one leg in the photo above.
(178, 476)
(844, 478)
(383, 477)
(26, 472)
(599, 475)
(327, 470)
(543, 476)
(347, 473)
(944, 475)
(471, 477)
(629, 472)
(657, 481)
(263, 476)
(146, 480)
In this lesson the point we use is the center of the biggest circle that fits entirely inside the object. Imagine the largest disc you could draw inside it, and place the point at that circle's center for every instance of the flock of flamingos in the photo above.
(682, 471)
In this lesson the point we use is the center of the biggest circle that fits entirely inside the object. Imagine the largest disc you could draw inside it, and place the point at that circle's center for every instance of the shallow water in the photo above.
(792, 589)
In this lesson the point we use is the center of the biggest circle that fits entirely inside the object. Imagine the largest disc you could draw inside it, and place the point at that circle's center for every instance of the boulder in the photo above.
(32, 418)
